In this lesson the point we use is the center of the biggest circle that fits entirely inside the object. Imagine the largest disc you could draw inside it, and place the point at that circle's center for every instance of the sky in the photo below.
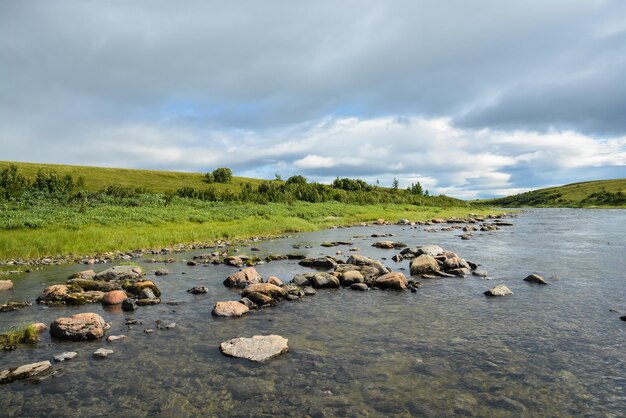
(472, 99)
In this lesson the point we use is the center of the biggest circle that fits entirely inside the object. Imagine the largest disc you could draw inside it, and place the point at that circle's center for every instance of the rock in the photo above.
(243, 278)
(6, 284)
(480, 272)
(461, 272)
(24, 372)
(350, 277)
(260, 299)
(258, 348)
(321, 263)
(114, 297)
(198, 290)
(14, 306)
(359, 286)
(147, 293)
(308, 291)
(129, 305)
(432, 250)
(301, 280)
(403, 222)
(137, 287)
(267, 289)
(249, 304)
(102, 353)
(98, 285)
(394, 280)
(424, 264)
(148, 301)
(118, 273)
(231, 308)
(112, 338)
(397, 258)
(191, 263)
(67, 355)
(535, 278)
(384, 244)
(499, 290)
(233, 261)
(275, 281)
(54, 293)
(161, 272)
(83, 275)
(455, 262)
(84, 326)
(623, 318)
(360, 260)
(438, 221)
(324, 280)
(40, 326)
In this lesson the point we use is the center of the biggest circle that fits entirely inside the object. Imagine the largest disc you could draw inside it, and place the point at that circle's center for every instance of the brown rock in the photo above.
(83, 275)
(6, 284)
(275, 281)
(394, 280)
(258, 348)
(499, 290)
(348, 278)
(243, 278)
(231, 308)
(535, 278)
(424, 264)
(83, 326)
(54, 293)
(24, 372)
(267, 289)
(114, 297)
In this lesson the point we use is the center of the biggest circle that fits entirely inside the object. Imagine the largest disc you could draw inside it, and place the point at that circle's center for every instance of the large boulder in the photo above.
(424, 264)
(114, 297)
(258, 348)
(54, 293)
(348, 278)
(24, 372)
(117, 273)
(394, 280)
(231, 308)
(260, 299)
(499, 290)
(83, 326)
(324, 280)
(535, 278)
(275, 281)
(243, 278)
(267, 289)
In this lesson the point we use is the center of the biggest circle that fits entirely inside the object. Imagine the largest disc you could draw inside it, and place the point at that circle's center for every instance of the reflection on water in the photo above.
(552, 350)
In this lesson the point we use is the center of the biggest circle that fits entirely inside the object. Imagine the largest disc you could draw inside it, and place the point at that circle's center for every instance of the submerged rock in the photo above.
(24, 372)
(161, 272)
(230, 308)
(67, 355)
(535, 278)
(14, 306)
(198, 290)
(258, 348)
(83, 326)
(243, 278)
(480, 272)
(388, 245)
(499, 290)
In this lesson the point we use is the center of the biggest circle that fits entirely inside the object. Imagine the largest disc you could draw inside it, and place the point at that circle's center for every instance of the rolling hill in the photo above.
(600, 193)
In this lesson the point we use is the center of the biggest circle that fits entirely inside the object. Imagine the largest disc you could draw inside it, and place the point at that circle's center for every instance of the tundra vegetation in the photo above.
(59, 210)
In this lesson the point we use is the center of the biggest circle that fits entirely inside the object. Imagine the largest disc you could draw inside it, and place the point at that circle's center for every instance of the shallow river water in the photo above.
(447, 350)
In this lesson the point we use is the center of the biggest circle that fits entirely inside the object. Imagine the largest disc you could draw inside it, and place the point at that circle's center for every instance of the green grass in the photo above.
(600, 193)
(153, 181)
(70, 230)
(26, 334)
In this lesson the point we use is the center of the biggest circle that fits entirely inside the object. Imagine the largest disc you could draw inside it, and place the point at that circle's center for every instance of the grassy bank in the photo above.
(55, 230)
(601, 193)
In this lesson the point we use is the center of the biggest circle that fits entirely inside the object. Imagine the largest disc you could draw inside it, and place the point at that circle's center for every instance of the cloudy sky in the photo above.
(471, 98)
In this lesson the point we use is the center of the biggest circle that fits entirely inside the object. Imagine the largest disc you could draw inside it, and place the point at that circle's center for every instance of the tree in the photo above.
(278, 177)
(395, 184)
(416, 189)
(222, 175)
(297, 179)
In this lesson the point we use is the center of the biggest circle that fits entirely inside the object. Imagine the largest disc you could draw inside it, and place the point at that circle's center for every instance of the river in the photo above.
(555, 350)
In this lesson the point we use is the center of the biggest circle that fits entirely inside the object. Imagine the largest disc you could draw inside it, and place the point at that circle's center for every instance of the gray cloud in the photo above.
(160, 84)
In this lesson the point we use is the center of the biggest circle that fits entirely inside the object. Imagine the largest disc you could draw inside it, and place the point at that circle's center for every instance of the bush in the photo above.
(296, 180)
(222, 175)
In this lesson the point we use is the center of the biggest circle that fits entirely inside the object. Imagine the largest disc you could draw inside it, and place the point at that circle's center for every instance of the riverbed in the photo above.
(555, 350)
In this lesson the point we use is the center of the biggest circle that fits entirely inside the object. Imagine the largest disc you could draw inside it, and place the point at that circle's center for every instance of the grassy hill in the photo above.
(153, 181)
(600, 193)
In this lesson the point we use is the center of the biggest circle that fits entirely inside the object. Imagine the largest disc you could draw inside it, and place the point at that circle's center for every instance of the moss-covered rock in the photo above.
(135, 288)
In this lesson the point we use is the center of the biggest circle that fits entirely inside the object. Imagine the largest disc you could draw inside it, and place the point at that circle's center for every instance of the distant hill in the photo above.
(153, 181)
(600, 193)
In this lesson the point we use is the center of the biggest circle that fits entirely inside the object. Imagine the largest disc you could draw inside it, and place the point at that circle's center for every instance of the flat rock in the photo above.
(6, 284)
(102, 353)
(230, 309)
(25, 371)
(324, 280)
(67, 355)
(112, 338)
(83, 326)
(13, 306)
(535, 278)
(258, 348)
(267, 289)
(499, 290)
(161, 272)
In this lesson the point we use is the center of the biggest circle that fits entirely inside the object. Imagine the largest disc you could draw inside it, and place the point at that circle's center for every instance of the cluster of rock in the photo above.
(431, 262)
(123, 285)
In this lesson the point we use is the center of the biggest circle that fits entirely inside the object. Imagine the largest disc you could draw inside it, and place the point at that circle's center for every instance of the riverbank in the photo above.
(71, 234)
